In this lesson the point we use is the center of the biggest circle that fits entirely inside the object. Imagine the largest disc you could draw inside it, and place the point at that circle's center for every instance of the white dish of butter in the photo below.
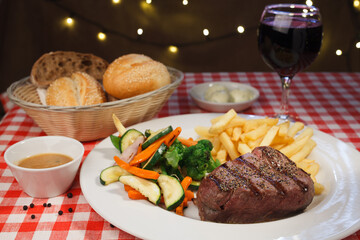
(223, 96)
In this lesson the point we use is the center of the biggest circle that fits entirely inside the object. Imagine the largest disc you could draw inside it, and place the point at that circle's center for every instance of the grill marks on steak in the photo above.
(284, 165)
(259, 186)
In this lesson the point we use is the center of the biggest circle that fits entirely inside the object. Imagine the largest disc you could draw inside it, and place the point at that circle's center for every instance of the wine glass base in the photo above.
(290, 118)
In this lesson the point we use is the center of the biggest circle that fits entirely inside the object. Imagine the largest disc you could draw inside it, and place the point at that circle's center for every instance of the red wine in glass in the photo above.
(289, 39)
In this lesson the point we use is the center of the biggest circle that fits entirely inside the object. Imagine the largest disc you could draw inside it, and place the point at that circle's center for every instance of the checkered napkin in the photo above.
(329, 102)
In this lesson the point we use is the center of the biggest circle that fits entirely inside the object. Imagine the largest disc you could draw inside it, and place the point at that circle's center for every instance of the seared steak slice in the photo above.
(259, 186)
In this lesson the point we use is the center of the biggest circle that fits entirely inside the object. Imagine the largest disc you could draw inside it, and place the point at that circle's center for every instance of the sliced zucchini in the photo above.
(147, 188)
(148, 132)
(178, 174)
(172, 191)
(194, 185)
(155, 157)
(112, 174)
(128, 138)
(156, 135)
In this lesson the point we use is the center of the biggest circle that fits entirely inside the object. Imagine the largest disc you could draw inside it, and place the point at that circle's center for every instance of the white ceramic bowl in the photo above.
(197, 93)
(46, 182)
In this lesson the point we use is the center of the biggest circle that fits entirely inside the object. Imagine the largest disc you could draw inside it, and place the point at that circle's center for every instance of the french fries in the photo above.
(221, 123)
(228, 145)
(269, 136)
(233, 136)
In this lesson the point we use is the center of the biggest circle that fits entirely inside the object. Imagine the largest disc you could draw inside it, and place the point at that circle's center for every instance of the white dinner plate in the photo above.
(334, 214)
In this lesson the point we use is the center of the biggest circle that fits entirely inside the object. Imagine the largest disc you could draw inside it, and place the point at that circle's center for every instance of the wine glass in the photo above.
(289, 39)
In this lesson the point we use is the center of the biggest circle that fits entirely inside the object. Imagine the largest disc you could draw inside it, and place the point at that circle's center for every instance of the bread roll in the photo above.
(79, 90)
(134, 74)
(62, 92)
(54, 65)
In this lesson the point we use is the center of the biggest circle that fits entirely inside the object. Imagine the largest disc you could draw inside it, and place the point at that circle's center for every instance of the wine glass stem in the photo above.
(285, 85)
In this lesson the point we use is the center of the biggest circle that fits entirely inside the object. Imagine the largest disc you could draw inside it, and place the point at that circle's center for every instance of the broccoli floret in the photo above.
(198, 161)
(174, 154)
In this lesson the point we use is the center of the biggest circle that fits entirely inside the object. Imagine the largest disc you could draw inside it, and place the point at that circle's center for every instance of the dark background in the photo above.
(30, 28)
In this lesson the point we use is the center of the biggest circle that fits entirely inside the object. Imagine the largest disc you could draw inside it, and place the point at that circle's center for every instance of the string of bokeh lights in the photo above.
(174, 47)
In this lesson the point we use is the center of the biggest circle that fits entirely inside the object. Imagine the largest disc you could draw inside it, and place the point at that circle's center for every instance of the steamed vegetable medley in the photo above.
(159, 166)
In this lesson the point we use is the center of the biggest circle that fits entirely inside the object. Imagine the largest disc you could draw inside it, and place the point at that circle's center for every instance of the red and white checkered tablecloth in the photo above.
(329, 102)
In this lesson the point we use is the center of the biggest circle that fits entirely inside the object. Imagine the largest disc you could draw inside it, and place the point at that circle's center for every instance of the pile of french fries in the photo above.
(233, 136)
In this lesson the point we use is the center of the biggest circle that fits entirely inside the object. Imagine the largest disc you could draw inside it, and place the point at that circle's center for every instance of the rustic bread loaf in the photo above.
(80, 89)
(134, 74)
(54, 65)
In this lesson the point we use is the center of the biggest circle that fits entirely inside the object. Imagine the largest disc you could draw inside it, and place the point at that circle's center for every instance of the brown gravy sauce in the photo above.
(44, 160)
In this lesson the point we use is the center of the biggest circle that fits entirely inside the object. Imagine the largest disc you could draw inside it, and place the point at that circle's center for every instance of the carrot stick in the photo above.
(135, 195)
(187, 142)
(143, 173)
(189, 195)
(170, 138)
(145, 154)
(122, 163)
(185, 183)
(139, 149)
(180, 209)
(185, 202)
(128, 188)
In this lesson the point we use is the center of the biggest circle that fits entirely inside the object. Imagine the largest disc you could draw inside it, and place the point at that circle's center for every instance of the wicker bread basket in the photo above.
(87, 123)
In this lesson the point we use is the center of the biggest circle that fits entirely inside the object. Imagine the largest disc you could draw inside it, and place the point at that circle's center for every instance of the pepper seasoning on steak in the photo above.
(260, 186)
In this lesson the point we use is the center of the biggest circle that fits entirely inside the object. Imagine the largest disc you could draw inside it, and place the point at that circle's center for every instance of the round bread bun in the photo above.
(80, 89)
(134, 74)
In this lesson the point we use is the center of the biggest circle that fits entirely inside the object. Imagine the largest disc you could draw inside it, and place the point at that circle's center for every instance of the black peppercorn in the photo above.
(44, 204)
(70, 209)
(60, 212)
(70, 195)
(32, 205)
(49, 204)
(32, 216)
(25, 207)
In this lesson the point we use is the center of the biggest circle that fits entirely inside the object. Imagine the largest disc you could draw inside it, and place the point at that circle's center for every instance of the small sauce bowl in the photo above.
(45, 182)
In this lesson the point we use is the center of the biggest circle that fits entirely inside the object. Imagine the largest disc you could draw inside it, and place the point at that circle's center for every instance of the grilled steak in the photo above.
(259, 186)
